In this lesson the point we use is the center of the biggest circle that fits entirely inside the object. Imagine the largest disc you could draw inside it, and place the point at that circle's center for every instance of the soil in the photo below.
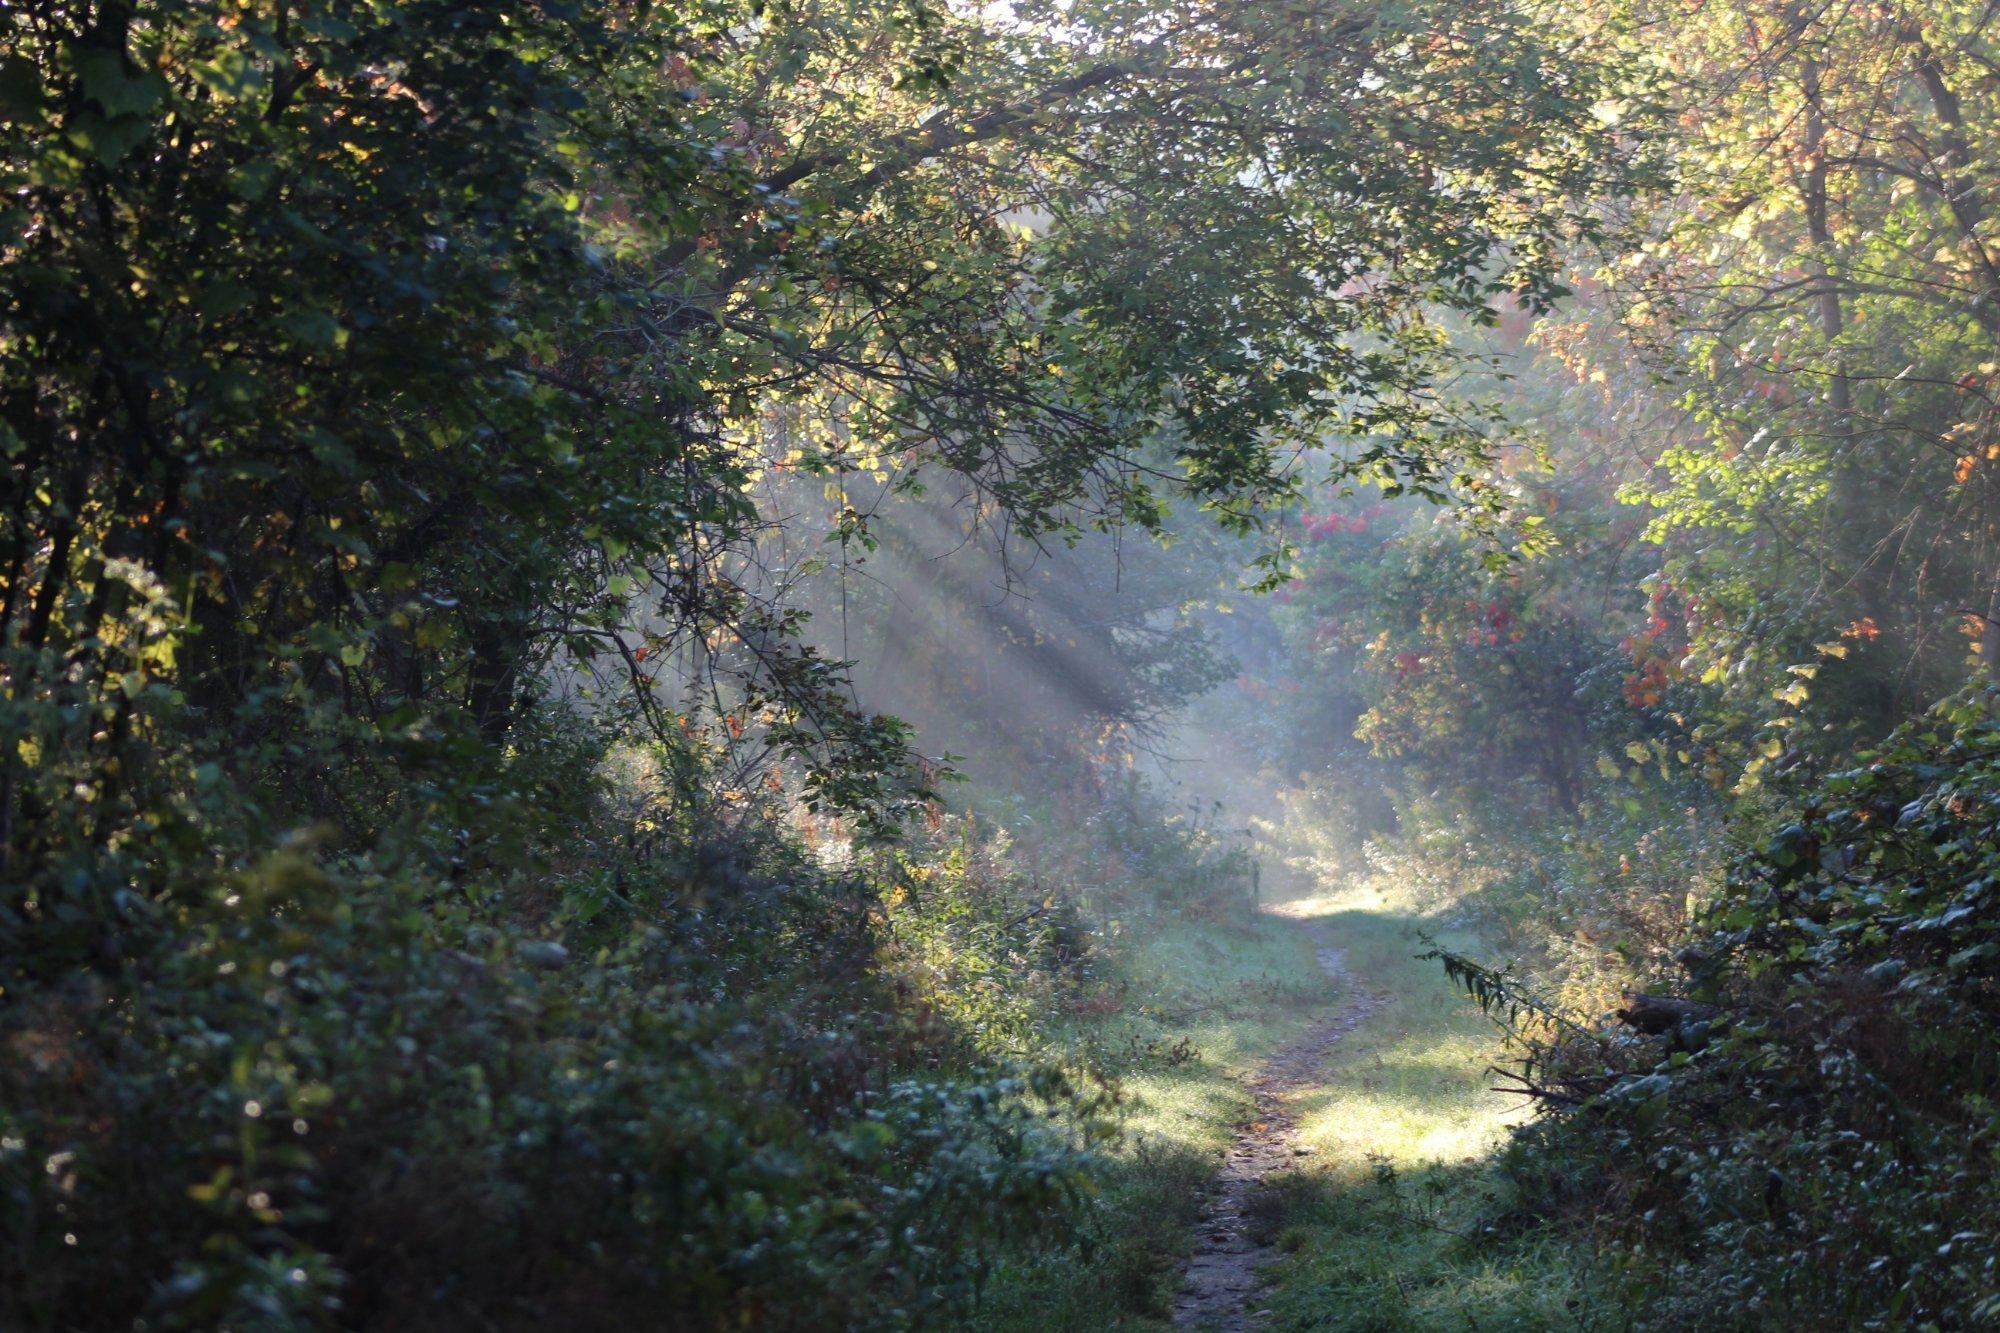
(1222, 1288)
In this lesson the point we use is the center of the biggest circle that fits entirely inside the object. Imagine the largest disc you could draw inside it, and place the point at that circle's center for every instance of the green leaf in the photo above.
(1964, 958)
(314, 327)
(108, 139)
(253, 180)
(222, 299)
(231, 74)
(20, 89)
(121, 92)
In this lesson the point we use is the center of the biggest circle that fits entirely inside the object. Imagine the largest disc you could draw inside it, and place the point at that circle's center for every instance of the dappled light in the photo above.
(1058, 665)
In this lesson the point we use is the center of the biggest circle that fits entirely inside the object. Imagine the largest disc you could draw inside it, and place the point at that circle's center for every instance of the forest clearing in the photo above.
(999, 665)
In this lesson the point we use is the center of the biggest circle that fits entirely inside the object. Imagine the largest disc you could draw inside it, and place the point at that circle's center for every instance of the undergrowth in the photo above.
(1758, 1048)
(1811, 1141)
(678, 1072)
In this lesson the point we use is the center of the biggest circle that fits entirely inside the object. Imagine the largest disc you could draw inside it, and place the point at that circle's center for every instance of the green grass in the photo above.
(1232, 995)
(1378, 1227)
(1382, 1229)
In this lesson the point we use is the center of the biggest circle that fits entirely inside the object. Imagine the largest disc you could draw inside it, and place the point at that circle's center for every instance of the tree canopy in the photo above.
(506, 511)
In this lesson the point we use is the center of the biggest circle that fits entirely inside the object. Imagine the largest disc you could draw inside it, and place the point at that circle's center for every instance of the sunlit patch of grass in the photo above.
(1409, 1086)
(1235, 993)
(1380, 1225)
(1401, 1128)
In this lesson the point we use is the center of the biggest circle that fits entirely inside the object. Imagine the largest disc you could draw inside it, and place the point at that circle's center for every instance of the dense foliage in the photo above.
(329, 1105)
(444, 879)
(506, 512)
(1665, 743)
(1807, 1138)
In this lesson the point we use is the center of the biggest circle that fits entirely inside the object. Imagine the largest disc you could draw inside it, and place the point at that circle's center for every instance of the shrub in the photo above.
(333, 1089)
(1815, 1143)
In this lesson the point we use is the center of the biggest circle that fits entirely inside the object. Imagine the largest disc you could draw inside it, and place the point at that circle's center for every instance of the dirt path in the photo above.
(1220, 1289)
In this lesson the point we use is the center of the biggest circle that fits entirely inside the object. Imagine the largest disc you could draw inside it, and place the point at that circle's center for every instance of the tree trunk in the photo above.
(494, 675)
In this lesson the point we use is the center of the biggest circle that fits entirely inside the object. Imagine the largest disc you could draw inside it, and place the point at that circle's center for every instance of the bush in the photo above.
(1817, 1144)
(333, 1089)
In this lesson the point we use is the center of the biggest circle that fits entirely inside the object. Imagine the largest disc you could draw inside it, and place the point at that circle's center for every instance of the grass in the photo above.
(1203, 1005)
(1383, 1230)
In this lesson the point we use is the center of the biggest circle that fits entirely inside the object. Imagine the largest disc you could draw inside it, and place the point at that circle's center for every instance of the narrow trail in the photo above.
(1220, 1288)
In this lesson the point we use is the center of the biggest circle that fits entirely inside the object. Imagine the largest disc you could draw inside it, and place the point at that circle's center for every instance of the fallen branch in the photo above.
(1655, 1014)
(1521, 1086)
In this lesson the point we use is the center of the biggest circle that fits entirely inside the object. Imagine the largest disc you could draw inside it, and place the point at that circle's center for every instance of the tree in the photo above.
(1822, 291)
(363, 366)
